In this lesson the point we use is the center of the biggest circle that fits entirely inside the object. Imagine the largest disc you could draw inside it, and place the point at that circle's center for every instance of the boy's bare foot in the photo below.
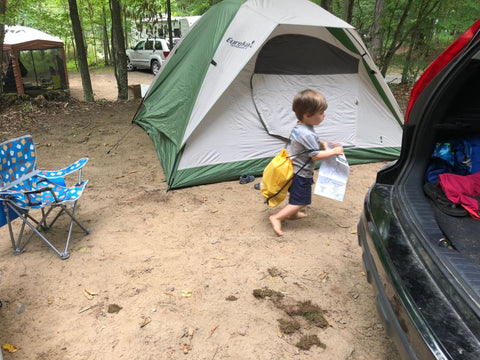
(298, 215)
(277, 225)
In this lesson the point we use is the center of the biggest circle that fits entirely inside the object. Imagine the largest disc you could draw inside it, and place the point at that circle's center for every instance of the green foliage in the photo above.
(363, 15)
(192, 7)
(429, 27)
(138, 10)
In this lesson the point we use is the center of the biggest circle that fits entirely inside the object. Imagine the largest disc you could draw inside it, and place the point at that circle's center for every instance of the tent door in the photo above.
(290, 63)
(273, 95)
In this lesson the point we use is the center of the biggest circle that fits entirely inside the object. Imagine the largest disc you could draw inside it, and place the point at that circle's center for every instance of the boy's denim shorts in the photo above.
(300, 191)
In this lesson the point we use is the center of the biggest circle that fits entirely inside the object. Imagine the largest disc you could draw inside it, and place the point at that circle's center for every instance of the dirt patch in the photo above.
(104, 84)
(171, 275)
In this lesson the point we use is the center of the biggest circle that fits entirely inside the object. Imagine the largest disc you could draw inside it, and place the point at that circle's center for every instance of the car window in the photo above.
(158, 45)
(139, 46)
(149, 45)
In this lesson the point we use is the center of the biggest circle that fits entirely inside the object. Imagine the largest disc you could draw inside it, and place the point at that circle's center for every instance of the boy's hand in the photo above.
(338, 150)
(325, 154)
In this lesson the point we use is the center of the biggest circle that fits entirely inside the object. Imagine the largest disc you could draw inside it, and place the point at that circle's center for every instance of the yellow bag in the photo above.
(276, 179)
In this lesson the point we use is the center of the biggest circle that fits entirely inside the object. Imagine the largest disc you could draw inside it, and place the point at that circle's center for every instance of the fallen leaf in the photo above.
(328, 321)
(212, 330)
(10, 348)
(186, 293)
(324, 275)
(93, 293)
(279, 332)
(87, 295)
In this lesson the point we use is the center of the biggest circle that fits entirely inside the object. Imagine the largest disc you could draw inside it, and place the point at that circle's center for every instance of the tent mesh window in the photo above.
(284, 55)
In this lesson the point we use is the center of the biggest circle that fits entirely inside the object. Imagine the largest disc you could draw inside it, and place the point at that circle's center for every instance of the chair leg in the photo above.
(18, 246)
(74, 219)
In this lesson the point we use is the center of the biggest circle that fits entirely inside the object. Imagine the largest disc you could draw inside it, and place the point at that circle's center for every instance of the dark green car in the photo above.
(420, 226)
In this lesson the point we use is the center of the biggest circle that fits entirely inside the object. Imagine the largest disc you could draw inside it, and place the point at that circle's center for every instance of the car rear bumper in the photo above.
(404, 289)
(418, 299)
(382, 302)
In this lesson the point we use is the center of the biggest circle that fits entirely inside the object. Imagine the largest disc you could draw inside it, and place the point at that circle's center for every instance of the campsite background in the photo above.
(173, 274)
(403, 36)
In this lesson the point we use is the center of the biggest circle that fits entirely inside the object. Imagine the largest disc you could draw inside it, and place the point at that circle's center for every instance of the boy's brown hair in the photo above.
(308, 102)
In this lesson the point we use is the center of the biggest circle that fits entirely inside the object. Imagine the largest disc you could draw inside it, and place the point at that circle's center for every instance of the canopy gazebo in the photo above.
(33, 61)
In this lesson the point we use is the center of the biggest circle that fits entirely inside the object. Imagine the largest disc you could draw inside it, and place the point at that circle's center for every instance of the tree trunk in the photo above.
(375, 33)
(106, 42)
(169, 21)
(348, 10)
(81, 51)
(125, 31)
(327, 5)
(408, 58)
(118, 50)
(397, 40)
(3, 7)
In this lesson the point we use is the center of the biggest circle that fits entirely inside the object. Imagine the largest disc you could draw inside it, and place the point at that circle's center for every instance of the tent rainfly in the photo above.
(221, 105)
(32, 61)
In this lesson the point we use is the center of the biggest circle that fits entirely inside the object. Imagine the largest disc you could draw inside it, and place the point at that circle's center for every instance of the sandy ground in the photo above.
(172, 275)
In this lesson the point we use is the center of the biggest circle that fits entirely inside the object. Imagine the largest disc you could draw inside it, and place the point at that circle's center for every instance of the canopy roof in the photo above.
(23, 38)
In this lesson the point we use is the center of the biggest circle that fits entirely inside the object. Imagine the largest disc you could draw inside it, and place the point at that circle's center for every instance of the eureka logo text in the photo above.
(240, 44)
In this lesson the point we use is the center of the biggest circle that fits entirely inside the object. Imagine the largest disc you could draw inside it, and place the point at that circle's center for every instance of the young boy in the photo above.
(309, 107)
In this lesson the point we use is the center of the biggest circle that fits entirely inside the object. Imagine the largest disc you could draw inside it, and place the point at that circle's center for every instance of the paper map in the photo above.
(332, 178)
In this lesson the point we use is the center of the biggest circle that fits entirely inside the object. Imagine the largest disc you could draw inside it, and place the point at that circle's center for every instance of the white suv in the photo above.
(148, 54)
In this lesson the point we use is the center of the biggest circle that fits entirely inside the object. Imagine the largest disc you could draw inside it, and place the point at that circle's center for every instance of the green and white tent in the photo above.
(221, 105)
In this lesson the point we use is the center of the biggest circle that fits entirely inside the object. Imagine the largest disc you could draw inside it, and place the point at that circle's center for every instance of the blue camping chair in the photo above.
(24, 188)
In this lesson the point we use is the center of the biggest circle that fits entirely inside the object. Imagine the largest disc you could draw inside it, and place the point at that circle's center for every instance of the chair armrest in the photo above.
(23, 198)
(29, 194)
(77, 165)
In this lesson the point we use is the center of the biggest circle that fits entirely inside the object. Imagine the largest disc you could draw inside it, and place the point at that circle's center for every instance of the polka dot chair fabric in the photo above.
(24, 188)
(64, 172)
(32, 188)
(17, 159)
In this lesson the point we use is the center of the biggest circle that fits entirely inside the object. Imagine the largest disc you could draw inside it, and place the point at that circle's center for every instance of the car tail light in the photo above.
(440, 63)
(165, 53)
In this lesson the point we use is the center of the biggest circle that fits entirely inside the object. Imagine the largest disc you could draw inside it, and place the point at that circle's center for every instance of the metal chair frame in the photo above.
(24, 188)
